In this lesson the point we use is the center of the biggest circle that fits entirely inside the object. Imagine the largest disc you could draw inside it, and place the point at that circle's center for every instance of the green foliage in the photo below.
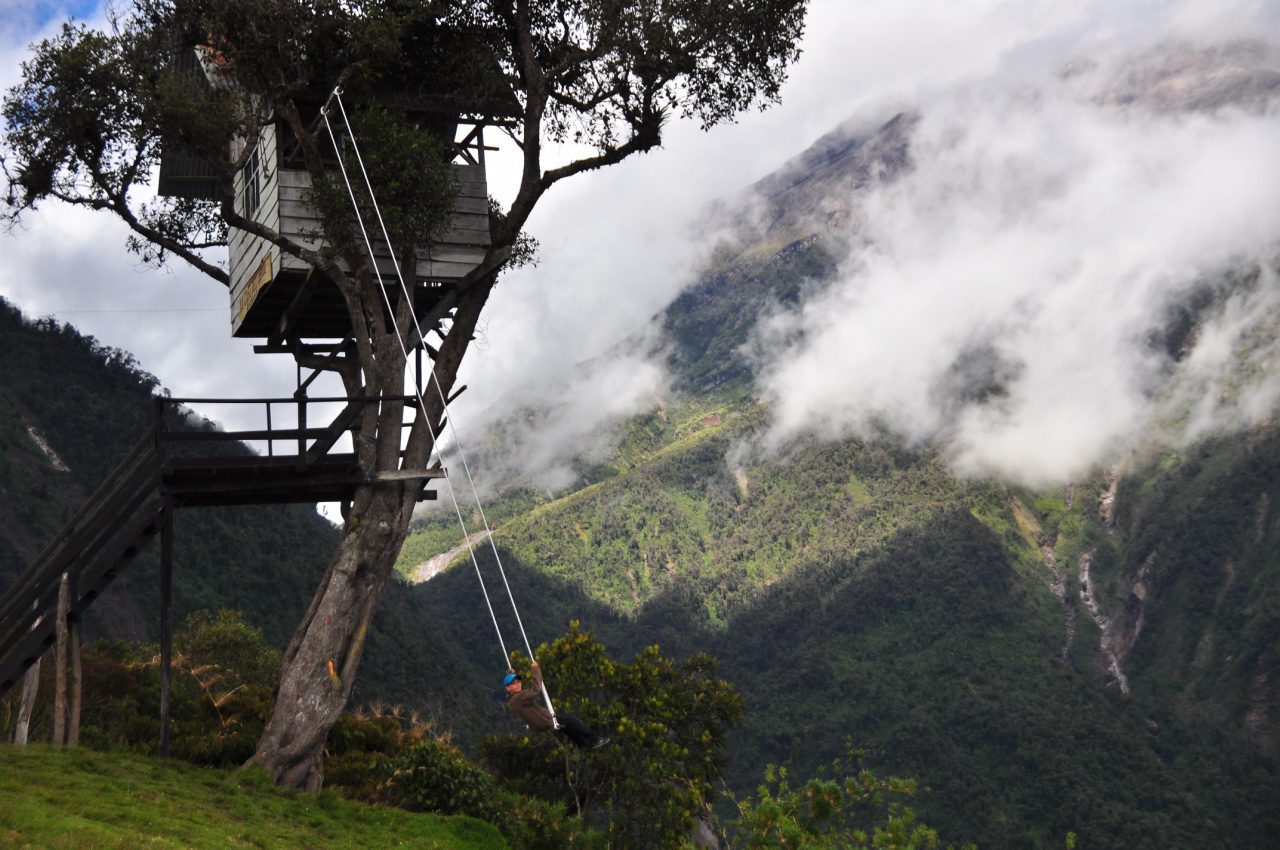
(393, 758)
(668, 722)
(363, 745)
(226, 640)
(221, 687)
(854, 809)
(226, 690)
(432, 776)
(416, 187)
(221, 684)
(681, 518)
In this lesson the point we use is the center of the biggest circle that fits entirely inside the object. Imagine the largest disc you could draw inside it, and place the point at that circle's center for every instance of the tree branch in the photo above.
(121, 208)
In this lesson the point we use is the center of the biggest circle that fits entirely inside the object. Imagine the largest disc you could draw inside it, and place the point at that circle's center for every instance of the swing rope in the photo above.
(337, 96)
(404, 350)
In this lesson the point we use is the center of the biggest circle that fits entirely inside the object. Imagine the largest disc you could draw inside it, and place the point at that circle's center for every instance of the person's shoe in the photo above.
(600, 743)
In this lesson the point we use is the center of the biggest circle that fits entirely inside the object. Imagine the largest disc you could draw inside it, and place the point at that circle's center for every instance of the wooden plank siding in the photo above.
(247, 251)
(451, 256)
(282, 207)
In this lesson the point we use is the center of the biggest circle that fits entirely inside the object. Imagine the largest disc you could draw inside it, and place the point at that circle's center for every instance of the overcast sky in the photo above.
(615, 244)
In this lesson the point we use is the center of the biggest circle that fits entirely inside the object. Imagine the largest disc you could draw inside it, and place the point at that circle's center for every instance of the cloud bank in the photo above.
(1011, 291)
(617, 244)
(1041, 241)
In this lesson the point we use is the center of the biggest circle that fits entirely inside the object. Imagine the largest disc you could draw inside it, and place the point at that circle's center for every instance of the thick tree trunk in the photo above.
(320, 666)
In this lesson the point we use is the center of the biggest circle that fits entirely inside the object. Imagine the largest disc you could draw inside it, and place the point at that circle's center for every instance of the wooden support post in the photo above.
(417, 352)
(166, 619)
(77, 681)
(26, 702)
(302, 428)
(60, 663)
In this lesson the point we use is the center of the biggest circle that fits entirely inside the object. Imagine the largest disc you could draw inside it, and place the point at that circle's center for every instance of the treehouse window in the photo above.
(252, 185)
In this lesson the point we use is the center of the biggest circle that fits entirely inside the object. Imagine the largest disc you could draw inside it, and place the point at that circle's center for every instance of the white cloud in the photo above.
(617, 246)
(1039, 242)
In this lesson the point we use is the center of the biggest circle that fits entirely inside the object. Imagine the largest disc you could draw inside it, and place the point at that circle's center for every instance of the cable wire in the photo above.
(400, 339)
(337, 97)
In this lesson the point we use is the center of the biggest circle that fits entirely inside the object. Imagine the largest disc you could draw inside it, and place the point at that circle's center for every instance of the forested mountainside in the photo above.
(70, 410)
(1098, 658)
(852, 592)
(972, 635)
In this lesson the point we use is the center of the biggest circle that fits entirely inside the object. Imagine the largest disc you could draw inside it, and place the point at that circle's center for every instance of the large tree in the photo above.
(87, 123)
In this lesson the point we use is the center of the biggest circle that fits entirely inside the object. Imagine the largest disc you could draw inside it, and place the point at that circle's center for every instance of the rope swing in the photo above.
(336, 97)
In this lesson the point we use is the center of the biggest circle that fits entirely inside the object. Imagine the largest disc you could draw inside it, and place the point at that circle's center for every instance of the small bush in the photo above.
(362, 747)
(431, 776)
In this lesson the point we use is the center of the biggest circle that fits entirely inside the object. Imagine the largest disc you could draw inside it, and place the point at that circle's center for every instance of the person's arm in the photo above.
(535, 673)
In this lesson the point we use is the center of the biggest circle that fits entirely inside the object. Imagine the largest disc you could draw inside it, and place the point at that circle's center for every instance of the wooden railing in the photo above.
(310, 444)
(170, 467)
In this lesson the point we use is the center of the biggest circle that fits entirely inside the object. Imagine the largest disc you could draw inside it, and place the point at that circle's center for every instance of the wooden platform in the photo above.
(170, 469)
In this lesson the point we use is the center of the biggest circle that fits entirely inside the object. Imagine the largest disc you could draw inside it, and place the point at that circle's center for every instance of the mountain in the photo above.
(1097, 659)
(70, 410)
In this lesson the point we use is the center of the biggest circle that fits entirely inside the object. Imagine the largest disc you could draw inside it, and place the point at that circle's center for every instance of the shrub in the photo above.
(433, 776)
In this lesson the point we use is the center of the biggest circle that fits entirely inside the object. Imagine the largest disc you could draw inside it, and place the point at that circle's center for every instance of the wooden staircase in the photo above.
(171, 468)
(98, 542)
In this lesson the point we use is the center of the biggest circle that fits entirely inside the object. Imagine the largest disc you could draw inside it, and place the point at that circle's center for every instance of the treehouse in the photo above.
(276, 295)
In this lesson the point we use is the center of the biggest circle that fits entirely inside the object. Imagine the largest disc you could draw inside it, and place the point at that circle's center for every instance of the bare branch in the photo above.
(120, 207)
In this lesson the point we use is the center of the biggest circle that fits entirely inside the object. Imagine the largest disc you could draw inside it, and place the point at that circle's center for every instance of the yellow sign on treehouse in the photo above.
(261, 277)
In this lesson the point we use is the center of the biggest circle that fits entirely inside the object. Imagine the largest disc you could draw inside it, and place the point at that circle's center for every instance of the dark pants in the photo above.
(576, 731)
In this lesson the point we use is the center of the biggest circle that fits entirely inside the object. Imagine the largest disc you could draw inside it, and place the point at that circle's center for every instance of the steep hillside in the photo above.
(70, 409)
(1097, 659)
(859, 592)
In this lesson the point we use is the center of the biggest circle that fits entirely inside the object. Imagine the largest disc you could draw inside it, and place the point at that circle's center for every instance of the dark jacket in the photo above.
(527, 704)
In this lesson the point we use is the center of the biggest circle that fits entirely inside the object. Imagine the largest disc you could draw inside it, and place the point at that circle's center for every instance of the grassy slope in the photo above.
(82, 799)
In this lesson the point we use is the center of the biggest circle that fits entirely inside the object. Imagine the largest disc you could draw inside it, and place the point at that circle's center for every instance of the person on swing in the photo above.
(528, 706)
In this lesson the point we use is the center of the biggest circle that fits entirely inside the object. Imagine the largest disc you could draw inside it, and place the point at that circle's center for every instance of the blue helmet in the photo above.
(509, 678)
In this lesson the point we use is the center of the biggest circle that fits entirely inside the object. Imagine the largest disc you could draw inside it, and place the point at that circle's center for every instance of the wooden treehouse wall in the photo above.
(280, 192)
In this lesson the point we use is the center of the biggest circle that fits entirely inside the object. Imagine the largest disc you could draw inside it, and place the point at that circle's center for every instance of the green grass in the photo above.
(83, 799)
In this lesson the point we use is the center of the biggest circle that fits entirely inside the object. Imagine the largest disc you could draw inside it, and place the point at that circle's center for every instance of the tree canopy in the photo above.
(94, 109)
(669, 722)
